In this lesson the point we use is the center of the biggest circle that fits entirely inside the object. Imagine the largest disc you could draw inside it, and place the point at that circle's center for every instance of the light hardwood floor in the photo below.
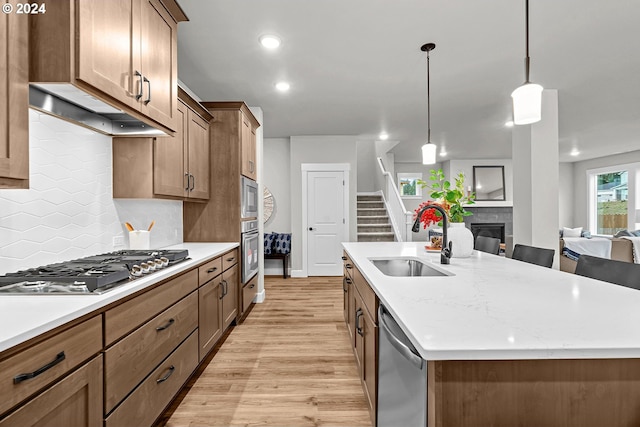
(288, 364)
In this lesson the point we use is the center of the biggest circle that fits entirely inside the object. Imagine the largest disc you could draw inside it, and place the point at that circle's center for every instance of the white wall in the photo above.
(276, 177)
(566, 195)
(580, 207)
(367, 166)
(319, 149)
(68, 211)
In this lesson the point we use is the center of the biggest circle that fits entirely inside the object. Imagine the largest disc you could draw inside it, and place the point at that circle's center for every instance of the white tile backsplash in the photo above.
(68, 211)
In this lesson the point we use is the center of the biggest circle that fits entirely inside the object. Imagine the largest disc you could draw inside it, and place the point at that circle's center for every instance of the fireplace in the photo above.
(488, 229)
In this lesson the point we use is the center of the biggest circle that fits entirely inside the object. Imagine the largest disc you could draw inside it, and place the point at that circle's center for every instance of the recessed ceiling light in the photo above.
(282, 86)
(443, 153)
(509, 124)
(270, 41)
(574, 152)
(383, 136)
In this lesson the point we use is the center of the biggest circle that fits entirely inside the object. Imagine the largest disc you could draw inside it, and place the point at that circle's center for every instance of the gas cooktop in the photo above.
(91, 275)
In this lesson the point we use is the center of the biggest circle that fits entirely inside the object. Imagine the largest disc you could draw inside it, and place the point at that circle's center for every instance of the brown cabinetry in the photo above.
(166, 167)
(248, 148)
(14, 100)
(361, 309)
(249, 292)
(74, 401)
(217, 299)
(136, 70)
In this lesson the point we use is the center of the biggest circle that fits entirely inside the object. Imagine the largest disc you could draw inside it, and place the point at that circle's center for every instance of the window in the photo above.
(408, 186)
(612, 200)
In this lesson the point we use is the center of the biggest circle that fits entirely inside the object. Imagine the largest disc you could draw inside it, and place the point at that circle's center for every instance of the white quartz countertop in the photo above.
(498, 308)
(26, 316)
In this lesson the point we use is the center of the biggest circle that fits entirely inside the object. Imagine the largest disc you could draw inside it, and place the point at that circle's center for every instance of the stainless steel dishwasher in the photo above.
(402, 377)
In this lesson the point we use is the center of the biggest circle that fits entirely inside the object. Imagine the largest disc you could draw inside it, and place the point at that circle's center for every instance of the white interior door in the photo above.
(326, 218)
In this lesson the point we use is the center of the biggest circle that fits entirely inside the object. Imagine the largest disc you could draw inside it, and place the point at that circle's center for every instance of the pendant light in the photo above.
(428, 149)
(527, 99)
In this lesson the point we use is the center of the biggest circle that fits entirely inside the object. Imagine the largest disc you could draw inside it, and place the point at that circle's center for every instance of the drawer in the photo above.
(74, 401)
(148, 401)
(209, 270)
(54, 357)
(249, 291)
(229, 259)
(369, 297)
(130, 360)
(129, 315)
(348, 265)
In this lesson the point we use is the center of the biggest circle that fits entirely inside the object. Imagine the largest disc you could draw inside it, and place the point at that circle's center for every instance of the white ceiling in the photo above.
(355, 68)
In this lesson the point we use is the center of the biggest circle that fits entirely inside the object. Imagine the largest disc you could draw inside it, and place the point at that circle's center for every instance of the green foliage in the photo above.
(453, 197)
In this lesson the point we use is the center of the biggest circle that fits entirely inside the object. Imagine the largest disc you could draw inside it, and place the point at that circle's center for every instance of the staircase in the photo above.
(373, 221)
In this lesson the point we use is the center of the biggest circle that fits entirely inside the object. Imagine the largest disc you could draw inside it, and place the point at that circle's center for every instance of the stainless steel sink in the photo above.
(406, 267)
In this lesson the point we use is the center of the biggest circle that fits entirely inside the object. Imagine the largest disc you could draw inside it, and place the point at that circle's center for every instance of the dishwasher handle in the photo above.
(403, 349)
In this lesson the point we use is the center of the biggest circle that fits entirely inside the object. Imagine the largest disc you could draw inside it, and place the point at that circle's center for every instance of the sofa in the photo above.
(621, 250)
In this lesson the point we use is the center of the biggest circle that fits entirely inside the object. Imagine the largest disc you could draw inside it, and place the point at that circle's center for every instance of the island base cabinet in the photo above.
(536, 393)
(74, 401)
(148, 401)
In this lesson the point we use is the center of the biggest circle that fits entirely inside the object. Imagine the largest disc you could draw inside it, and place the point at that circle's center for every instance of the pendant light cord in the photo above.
(428, 104)
(526, 25)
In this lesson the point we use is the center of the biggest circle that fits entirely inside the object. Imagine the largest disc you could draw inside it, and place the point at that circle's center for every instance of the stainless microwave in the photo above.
(249, 196)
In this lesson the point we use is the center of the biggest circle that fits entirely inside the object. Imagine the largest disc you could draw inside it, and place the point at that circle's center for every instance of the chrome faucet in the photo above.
(447, 246)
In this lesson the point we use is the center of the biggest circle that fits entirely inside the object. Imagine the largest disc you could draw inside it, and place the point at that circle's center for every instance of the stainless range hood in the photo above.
(72, 104)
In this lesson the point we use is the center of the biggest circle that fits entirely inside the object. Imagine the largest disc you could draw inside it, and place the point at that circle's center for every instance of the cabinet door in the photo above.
(358, 331)
(347, 286)
(253, 167)
(198, 156)
(74, 401)
(369, 367)
(210, 315)
(158, 59)
(231, 280)
(169, 160)
(245, 149)
(14, 100)
(106, 48)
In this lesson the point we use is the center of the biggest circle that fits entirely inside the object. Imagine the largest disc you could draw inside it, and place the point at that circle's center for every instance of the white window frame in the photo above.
(633, 200)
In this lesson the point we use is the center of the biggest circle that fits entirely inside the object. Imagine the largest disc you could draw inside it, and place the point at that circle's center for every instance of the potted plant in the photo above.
(452, 198)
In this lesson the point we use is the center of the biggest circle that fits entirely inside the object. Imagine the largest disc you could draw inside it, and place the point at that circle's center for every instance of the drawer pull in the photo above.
(359, 313)
(344, 258)
(231, 259)
(169, 323)
(212, 269)
(23, 377)
(166, 377)
(348, 266)
(252, 286)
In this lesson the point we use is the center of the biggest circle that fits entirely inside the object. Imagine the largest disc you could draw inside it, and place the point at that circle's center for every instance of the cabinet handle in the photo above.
(358, 327)
(250, 166)
(23, 377)
(166, 377)
(187, 176)
(348, 266)
(348, 280)
(193, 182)
(252, 286)
(231, 259)
(148, 100)
(224, 288)
(344, 258)
(345, 288)
(139, 91)
(165, 326)
(212, 269)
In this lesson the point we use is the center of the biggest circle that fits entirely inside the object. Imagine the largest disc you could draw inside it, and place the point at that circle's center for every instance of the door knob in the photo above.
(310, 228)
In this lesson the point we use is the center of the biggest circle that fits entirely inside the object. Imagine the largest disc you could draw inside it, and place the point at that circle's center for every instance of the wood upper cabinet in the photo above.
(174, 167)
(122, 51)
(14, 100)
(248, 150)
(74, 401)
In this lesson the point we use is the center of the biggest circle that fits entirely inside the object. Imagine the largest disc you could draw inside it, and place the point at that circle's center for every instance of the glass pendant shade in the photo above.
(429, 153)
(527, 104)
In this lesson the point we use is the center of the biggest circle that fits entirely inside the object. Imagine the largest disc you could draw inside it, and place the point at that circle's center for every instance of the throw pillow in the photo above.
(269, 240)
(636, 233)
(282, 244)
(571, 232)
(586, 234)
(623, 233)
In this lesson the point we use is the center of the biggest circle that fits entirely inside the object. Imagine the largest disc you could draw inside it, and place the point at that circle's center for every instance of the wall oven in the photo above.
(249, 197)
(249, 247)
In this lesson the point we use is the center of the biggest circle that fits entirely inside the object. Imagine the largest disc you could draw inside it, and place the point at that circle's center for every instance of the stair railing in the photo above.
(401, 219)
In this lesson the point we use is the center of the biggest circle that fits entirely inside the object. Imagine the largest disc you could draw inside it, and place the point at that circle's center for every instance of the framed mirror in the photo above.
(488, 182)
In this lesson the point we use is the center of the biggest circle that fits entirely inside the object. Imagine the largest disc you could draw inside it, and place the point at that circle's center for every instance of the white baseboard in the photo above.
(298, 273)
(260, 297)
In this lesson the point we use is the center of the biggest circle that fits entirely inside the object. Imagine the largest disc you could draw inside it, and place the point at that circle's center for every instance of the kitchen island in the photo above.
(510, 343)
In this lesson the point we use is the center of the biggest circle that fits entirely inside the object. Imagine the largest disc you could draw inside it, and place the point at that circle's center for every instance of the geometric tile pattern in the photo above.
(68, 211)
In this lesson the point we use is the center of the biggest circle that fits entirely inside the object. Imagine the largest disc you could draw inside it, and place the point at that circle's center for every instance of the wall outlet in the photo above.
(118, 241)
